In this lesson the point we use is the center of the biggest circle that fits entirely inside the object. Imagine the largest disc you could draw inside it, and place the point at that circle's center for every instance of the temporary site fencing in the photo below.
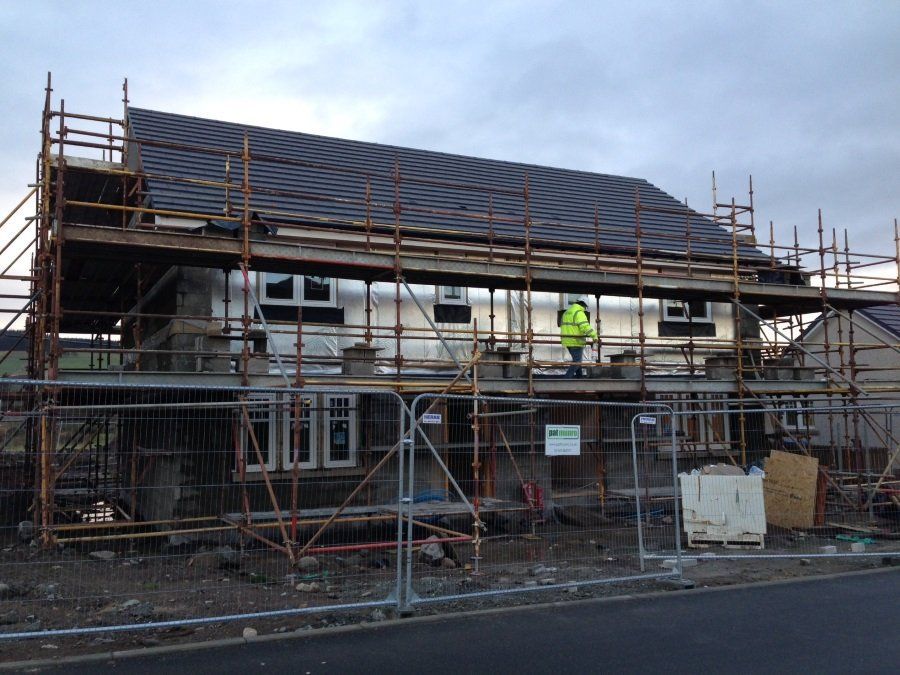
(822, 480)
(142, 506)
(166, 505)
(542, 489)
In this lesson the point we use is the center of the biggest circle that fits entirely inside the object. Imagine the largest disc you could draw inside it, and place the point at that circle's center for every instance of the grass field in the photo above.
(16, 364)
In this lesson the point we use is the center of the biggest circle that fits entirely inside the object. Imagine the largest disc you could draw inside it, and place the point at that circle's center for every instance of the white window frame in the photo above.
(705, 432)
(320, 411)
(327, 415)
(683, 319)
(249, 453)
(444, 300)
(264, 296)
(794, 406)
(566, 299)
(298, 294)
(287, 436)
(332, 290)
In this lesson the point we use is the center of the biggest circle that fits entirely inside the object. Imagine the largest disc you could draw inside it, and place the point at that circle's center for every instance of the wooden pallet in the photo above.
(736, 541)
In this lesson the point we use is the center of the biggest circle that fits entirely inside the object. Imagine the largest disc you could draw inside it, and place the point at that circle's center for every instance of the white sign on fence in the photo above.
(431, 418)
(562, 440)
(647, 419)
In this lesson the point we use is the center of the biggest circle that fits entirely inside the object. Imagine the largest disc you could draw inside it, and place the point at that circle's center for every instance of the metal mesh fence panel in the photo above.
(137, 506)
(140, 506)
(510, 495)
(786, 478)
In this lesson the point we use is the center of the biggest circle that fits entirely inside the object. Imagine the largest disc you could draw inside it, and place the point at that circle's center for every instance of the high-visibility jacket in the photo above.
(575, 327)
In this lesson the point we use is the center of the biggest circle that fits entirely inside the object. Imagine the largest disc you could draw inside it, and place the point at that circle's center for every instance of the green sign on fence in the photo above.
(562, 440)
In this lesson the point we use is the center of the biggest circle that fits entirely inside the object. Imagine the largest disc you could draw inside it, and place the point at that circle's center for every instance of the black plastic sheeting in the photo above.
(561, 202)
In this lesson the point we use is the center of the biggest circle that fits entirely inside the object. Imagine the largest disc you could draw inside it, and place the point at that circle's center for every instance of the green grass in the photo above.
(16, 364)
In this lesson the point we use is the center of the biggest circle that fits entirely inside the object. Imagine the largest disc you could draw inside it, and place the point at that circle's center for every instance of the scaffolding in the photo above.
(100, 257)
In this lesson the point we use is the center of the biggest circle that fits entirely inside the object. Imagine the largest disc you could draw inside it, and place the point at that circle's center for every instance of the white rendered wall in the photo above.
(619, 317)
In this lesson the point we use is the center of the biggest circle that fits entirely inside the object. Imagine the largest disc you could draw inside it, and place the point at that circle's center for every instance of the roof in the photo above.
(322, 181)
(885, 316)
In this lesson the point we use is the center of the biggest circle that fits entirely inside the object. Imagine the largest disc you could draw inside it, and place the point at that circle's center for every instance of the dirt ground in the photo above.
(99, 584)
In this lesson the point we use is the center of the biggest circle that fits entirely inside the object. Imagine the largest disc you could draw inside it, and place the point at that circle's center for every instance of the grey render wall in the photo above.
(880, 357)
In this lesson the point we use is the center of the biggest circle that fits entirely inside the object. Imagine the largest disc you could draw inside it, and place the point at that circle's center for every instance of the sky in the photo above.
(802, 95)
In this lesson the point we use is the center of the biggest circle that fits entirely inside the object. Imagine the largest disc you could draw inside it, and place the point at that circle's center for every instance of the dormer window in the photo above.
(291, 289)
(452, 295)
(694, 311)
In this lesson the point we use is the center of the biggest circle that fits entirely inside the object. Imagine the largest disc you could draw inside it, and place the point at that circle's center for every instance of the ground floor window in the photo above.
(699, 425)
(792, 416)
(340, 431)
(299, 443)
(259, 426)
(315, 431)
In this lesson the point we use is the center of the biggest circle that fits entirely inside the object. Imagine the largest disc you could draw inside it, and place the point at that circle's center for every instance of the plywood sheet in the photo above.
(790, 489)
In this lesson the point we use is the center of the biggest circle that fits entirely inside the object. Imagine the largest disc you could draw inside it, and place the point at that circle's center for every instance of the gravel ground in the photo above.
(103, 585)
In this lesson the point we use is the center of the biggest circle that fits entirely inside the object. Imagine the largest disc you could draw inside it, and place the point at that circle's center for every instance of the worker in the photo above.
(575, 333)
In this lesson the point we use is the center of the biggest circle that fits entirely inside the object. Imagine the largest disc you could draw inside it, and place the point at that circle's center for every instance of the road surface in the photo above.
(831, 625)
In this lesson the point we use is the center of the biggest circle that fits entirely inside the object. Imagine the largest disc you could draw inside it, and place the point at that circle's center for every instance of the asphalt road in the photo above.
(835, 625)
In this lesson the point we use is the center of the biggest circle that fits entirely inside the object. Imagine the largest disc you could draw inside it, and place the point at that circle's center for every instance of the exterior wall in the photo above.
(885, 360)
(185, 292)
(618, 317)
(197, 477)
(188, 480)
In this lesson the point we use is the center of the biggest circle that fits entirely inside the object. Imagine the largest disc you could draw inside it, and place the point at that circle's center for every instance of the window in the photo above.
(696, 311)
(317, 430)
(298, 426)
(792, 416)
(340, 431)
(698, 425)
(289, 289)
(452, 295)
(278, 288)
(318, 291)
(714, 425)
(262, 413)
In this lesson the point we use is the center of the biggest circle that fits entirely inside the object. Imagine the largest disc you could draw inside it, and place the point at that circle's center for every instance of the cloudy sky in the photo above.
(802, 95)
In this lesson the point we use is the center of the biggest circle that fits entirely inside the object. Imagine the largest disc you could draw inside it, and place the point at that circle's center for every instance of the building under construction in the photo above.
(217, 258)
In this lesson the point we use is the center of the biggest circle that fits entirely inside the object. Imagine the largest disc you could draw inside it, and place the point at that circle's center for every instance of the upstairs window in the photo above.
(290, 289)
(278, 288)
(318, 291)
(694, 311)
(452, 295)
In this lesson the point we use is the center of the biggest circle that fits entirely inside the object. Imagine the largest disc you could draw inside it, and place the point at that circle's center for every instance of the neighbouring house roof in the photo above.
(437, 191)
(886, 317)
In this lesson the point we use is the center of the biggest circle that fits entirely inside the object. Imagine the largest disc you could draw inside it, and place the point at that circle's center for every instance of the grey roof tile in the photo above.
(886, 316)
(433, 192)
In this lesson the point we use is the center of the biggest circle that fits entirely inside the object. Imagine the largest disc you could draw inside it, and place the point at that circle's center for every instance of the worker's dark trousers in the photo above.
(575, 369)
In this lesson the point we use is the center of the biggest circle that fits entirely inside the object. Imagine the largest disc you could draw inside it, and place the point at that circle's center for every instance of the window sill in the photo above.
(257, 477)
